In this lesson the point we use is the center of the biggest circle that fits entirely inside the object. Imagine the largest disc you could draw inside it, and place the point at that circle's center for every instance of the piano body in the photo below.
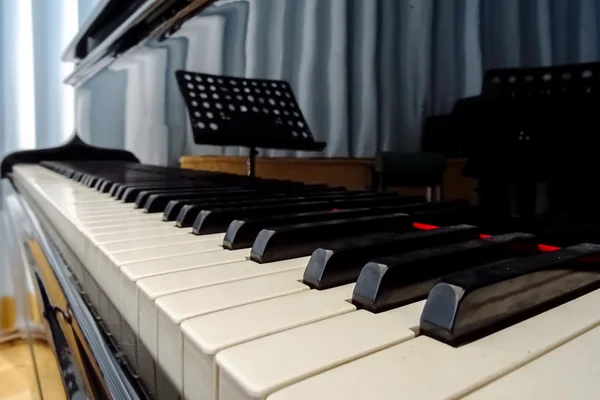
(163, 283)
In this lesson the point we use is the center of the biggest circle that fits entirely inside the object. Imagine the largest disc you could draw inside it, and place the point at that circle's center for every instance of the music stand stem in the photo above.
(251, 162)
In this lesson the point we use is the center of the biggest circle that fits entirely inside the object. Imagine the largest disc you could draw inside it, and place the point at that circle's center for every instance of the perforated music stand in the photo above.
(230, 111)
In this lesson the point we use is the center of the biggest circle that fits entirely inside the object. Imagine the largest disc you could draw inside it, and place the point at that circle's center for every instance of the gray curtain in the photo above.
(366, 73)
(36, 108)
(517, 33)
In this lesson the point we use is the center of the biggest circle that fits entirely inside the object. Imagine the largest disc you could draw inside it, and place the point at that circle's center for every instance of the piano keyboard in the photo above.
(248, 289)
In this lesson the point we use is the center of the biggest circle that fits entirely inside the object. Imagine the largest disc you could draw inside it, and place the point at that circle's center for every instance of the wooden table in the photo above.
(353, 173)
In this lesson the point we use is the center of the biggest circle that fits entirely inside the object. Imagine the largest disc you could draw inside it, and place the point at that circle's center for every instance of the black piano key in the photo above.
(189, 213)
(106, 186)
(143, 196)
(99, 183)
(92, 181)
(342, 263)
(467, 305)
(218, 220)
(393, 281)
(116, 188)
(158, 202)
(174, 207)
(128, 193)
(569, 234)
(300, 240)
(241, 233)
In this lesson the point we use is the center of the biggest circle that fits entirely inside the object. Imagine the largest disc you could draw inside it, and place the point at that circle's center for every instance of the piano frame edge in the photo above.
(84, 353)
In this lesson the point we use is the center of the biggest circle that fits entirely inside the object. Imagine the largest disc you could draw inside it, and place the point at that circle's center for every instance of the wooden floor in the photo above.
(17, 377)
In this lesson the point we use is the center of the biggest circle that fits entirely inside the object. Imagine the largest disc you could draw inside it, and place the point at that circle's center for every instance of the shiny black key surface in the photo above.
(393, 281)
(92, 181)
(174, 207)
(241, 233)
(118, 190)
(300, 240)
(144, 195)
(106, 186)
(342, 263)
(129, 193)
(212, 221)
(158, 202)
(466, 305)
(218, 219)
(190, 212)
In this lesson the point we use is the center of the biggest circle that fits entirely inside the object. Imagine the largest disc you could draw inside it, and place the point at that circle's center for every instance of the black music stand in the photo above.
(231, 111)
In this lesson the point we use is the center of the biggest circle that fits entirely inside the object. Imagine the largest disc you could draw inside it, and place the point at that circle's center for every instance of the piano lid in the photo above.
(116, 25)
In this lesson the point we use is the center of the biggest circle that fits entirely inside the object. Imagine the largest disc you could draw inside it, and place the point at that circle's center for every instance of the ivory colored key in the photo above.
(93, 246)
(310, 349)
(176, 308)
(425, 368)
(132, 272)
(154, 287)
(570, 371)
(129, 227)
(143, 234)
(108, 266)
(205, 336)
(117, 222)
(160, 241)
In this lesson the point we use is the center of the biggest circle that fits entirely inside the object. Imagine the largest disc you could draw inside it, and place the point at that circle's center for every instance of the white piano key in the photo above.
(570, 371)
(132, 300)
(149, 289)
(73, 213)
(143, 234)
(176, 308)
(201, 244)
(82, 201)
(311, 349)
(108, 266)
(130, 227)
(453, 372)
(161, 241)
(121, 221)
(205, 336)
(111, 216)
(86, 202)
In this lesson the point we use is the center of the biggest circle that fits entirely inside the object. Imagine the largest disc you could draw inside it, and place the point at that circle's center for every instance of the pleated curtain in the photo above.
(36, 110)
(365, 72)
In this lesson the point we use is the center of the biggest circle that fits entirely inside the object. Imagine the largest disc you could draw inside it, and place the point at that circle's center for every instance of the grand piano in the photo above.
(161, 283)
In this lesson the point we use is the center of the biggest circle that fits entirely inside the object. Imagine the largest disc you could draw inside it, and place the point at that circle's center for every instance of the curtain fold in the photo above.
(365, 72)
(534, 33)
(36, 110)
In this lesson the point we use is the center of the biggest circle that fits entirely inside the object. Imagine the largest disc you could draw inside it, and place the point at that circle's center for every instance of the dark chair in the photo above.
(410, 170)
